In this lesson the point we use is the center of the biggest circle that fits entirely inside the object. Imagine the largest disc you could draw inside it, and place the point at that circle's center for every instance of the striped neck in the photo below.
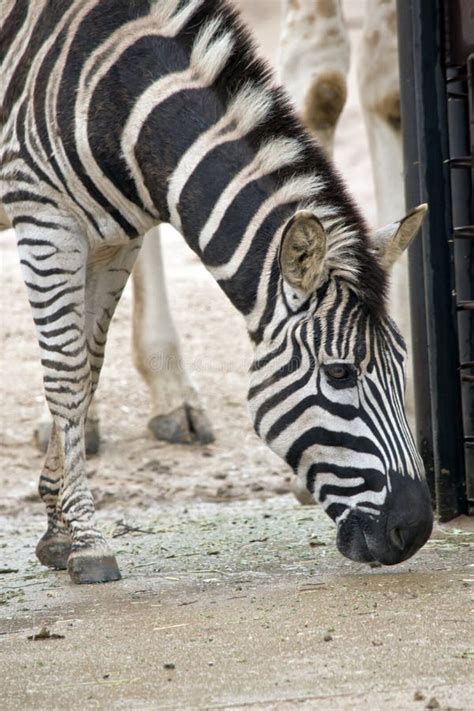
(234, 161)
(167, 114)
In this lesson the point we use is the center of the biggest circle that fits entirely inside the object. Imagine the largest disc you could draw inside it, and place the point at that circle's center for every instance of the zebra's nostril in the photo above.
(397, 538)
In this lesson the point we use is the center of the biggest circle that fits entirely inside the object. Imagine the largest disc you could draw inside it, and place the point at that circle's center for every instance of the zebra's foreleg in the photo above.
(177, 412)
(54, 263)
(107, 274)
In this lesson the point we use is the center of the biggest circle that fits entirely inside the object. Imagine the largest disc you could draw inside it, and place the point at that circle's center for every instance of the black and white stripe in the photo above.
(345, 443)
(116, 116)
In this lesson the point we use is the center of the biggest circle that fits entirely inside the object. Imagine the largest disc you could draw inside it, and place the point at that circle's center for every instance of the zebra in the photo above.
(118, 116)
(313, 66)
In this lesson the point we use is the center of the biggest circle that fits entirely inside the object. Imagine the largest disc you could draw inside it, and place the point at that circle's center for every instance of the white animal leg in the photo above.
(379, 89)
(177, 414)
(314, 62)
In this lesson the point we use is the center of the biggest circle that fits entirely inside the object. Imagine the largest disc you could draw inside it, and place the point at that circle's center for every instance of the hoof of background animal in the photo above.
(302, 494)
(182, 426)
(53, 550)
(43, 435)
(88, 566)
(92, 436)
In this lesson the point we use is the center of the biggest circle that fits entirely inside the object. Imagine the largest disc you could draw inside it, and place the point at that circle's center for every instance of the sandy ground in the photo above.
(228, 580)
(238, 605)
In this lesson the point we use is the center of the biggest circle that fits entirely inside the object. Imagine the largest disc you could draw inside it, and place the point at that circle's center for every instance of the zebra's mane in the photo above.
(349, 255)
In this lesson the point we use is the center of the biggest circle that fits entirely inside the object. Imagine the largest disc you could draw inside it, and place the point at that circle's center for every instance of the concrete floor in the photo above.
(237, 605)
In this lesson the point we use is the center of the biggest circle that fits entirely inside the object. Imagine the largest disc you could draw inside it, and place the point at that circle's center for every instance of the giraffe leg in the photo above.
(177, 414)
(379, 89)
(314, 62)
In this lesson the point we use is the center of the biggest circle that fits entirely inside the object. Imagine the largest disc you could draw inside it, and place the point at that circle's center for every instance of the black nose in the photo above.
(393, 533)
(398, 537)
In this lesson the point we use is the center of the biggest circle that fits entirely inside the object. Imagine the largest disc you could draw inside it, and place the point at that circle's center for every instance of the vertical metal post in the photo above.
(436, 360)
(414, 195)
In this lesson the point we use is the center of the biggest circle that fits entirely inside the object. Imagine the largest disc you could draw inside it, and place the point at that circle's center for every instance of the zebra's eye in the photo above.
(341, 375)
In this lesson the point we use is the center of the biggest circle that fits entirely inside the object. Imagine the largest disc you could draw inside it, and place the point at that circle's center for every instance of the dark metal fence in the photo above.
(436, 41)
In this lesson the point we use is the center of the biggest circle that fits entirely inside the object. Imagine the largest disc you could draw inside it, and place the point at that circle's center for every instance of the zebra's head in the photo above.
(328, 388)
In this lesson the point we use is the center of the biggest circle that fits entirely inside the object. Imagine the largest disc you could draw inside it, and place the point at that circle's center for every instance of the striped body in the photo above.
(118, 116)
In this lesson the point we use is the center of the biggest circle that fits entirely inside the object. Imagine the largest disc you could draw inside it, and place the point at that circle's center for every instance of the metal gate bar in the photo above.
(432, 277)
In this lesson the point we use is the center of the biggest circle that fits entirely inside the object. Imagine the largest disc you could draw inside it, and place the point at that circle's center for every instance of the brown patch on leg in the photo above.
(389, 110)
(325, 101)
(392, 22)
(372, 39)
(326, 8)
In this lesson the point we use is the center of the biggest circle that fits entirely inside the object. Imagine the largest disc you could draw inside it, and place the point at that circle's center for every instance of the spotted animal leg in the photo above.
(379, 91)
(314, 62)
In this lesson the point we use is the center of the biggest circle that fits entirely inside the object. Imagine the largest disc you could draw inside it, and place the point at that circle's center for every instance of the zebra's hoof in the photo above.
(53, 550)
(92, 436)
(86, 567)
(302, 494)
(182, 426)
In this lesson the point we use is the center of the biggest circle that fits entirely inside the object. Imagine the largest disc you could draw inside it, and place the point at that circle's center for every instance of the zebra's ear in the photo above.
(303, 251)
(389, 242)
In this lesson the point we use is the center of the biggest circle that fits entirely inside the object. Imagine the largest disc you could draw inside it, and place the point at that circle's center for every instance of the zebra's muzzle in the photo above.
(351, 539)
(394, 533)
